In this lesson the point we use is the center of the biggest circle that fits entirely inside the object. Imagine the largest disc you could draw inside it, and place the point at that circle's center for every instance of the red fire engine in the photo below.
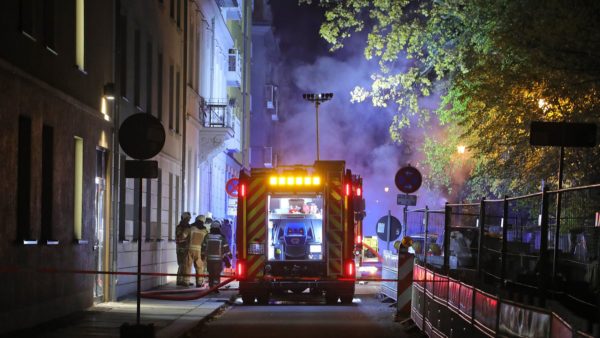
(298, 229)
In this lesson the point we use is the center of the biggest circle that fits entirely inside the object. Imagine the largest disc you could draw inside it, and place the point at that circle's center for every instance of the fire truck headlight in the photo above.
(315, 248)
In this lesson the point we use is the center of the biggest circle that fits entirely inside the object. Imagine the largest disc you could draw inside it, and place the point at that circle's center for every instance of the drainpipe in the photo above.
(112, 284)
(245, 114)
(184, 104)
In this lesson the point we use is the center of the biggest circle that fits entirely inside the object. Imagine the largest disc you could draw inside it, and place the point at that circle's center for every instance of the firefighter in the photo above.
(215, 248)
(197, 233)
(182, 244)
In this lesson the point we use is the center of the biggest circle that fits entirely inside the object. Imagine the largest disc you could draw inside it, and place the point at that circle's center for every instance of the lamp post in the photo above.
(317, 99)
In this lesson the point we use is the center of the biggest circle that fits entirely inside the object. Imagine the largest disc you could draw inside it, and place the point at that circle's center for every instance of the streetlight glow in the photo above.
(317, 99)
(461, 149)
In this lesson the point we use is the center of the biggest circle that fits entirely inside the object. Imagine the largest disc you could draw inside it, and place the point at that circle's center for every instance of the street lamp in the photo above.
(317, 99)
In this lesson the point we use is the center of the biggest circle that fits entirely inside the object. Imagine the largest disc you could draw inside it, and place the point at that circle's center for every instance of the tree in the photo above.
(498, 65)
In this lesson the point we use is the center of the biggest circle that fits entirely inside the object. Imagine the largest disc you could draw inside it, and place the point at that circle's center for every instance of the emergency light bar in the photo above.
(295, 180)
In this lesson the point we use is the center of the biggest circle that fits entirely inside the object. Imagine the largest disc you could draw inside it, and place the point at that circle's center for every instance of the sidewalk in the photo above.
(170, 318)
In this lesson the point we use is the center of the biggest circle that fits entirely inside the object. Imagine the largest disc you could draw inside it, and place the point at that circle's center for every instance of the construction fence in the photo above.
(540, 250)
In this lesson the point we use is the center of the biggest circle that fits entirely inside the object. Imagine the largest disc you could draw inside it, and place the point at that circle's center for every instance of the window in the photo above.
(47, 181)
(179, 13)
(80, 34)
(49, 23)
(137, 186)
(136, 68)
(171, 80)
(24, 179)
(122, 198)
(159, 206)
(148, 209)
(177, 212)
(26, 17)
(177, 96)
(122, 29)
(78, 189)
(159, 87)
(149, 77)
(171, 237)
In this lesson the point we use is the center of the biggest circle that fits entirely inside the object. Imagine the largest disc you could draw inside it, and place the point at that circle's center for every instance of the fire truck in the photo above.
(299, 228)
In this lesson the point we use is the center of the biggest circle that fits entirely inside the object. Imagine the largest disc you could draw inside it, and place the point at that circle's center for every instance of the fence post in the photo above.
(504, 237)
(447, 211)
(481, 230)
(543, 245)
(425, 247)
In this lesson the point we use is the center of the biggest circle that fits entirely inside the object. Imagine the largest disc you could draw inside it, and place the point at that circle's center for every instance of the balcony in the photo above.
(234, 69)
(231, 9)
(221, 128)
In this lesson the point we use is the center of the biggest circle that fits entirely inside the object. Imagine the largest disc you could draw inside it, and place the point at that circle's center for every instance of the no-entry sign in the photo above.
(408, 179)
(231, 187)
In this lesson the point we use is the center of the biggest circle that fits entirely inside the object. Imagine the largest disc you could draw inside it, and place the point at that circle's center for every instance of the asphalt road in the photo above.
(307, 317)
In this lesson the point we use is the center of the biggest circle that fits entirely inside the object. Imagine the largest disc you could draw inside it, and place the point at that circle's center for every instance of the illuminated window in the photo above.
(80, 34)
(78, 189)
(171, 80)
(170, 212)
(177, 96)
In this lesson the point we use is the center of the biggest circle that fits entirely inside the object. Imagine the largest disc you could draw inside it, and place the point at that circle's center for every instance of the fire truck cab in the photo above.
(297, 231)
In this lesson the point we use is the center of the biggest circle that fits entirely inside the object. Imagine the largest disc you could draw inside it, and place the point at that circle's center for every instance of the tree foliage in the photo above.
(497, 66)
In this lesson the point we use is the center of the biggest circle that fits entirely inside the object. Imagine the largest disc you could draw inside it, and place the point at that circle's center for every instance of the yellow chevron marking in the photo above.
(259, 235)
(336, 195)
(257, 222)
(335, 250)
(335, 224)
(256, 182)
(335, 209)
(258, 194)
(335, 267)
(255, 266)
(334, 237)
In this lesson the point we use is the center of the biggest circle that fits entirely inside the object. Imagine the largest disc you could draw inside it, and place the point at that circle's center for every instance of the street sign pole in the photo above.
(139, 257)
(389, 228)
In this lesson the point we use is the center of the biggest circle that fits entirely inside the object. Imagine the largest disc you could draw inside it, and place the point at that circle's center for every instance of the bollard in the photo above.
(404, 287)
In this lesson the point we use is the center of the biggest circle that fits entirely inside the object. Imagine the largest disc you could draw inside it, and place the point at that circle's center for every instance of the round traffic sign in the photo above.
(408, 179)
(142, 136)
(382, 228)
(231, 187)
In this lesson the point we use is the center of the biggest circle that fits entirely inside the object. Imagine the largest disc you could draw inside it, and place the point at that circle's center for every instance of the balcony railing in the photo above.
(216, 114)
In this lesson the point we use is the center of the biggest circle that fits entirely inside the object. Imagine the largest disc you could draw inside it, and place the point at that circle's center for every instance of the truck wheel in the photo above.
(263, 299)
(247, 299)
(331, 298)
(346, 299)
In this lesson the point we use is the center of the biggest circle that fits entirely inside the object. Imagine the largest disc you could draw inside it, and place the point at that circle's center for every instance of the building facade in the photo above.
(265, 89)
(56, 143)
(73, 73)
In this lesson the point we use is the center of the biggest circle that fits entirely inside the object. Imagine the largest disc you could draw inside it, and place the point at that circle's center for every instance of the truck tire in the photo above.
(346, 299)
(248, 299)
(331, 298)
(263, 299)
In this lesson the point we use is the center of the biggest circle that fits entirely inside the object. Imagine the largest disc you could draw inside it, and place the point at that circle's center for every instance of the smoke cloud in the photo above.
(355, 132)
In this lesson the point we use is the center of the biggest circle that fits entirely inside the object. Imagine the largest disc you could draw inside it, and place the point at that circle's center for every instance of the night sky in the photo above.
(354, 132)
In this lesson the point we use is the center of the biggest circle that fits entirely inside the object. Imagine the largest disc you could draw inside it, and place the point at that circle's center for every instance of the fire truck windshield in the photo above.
(295, 228)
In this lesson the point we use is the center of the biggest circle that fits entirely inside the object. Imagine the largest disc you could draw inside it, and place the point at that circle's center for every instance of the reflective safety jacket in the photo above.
(182, 236)
(215, 247)
(197, 238)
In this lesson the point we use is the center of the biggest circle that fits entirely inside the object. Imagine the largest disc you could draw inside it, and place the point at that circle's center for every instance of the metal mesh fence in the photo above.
(524, 243)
